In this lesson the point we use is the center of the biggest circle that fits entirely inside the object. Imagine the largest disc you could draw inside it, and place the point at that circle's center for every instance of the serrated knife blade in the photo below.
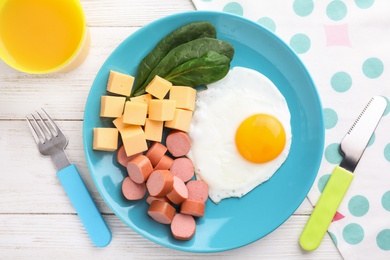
(352, 147)
(355, 141)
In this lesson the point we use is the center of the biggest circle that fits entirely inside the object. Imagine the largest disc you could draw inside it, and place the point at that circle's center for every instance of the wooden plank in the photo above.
(131, 13)
(63, 236)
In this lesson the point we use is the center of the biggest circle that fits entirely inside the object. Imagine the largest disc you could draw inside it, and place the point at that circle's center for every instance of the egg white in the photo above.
(219, 111)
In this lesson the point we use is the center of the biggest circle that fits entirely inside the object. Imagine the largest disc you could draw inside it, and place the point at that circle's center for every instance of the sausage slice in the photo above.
(197, 190)
(122, 158)
(132, 190)
(193, 208)
(182, 168)
(183, 226)
(150, 199)
(139, 168)
(156, 152)
(178, 143)
(161, 211)
(179, 192)
(164, 164)
(160, 183)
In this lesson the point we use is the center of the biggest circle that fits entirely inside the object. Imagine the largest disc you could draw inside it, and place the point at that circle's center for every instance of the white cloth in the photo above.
(346, 47)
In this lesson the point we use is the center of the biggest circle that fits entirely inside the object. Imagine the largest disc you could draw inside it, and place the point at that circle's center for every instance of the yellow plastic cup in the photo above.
(43, 36)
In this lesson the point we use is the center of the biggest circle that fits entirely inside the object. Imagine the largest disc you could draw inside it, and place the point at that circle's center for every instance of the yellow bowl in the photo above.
(43, 36)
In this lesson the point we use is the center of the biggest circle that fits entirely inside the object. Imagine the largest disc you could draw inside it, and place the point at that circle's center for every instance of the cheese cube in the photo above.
(161, 110)
(158, 87)
(105, 139)
(181, 120)
(133, 138)
(120, 83)
(135, 113)
(184, 96)
(119, 124)
(153, 130)
(111, 106)
(143, 98)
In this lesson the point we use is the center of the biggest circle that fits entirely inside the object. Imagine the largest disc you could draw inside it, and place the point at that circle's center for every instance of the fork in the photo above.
(52, 142)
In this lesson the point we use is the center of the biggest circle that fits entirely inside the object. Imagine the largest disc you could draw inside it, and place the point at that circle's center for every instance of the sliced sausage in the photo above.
(160, 183)
(161, 211)
(150, 199)
(139, 168)
(183, 226)
(164, 164)
(178, 143)
(122, 158)
(156, 152)
(179, 192)
(193, 208)
(197, 190)
(132, 190)
(182, 168)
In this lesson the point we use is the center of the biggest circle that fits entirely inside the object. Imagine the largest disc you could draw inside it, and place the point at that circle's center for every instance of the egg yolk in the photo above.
(260, 138)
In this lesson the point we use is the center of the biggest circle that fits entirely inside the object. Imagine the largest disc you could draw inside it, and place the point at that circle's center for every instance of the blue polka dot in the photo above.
(332, 154)
(386, 152)
(373, 68)
(353, 234)
(372, 140)
(364, 4)
(300, 43)
(386, 200)
(233, 8)
(330, 117)
(334, 238)
(336, 10)
(358, 206)
(383, 239)
(322, 182)
(303, 7)
(387, 107)
(267, 23)
(341, 81)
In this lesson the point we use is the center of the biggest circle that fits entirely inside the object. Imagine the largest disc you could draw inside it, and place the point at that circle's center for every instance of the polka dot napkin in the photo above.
(346, 47)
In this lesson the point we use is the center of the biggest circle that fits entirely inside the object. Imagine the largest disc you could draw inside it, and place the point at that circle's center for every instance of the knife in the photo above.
(352, 147)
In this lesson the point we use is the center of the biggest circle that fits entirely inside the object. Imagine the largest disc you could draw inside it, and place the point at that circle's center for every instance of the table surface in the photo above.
(36, 217)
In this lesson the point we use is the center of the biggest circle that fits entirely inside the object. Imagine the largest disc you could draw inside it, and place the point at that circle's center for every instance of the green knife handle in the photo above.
(325, 209)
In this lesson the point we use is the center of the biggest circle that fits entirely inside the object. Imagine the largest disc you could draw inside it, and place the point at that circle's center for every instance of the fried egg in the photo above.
(240, 133)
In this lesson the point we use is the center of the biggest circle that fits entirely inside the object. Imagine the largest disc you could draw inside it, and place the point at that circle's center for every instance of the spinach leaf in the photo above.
(209, 68)
(179, 36)
(185, 52)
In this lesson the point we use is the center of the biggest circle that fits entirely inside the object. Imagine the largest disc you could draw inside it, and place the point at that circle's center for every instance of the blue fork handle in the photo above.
(84, 205)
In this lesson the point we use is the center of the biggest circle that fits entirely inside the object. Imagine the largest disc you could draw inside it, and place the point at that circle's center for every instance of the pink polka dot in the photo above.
(337, 35)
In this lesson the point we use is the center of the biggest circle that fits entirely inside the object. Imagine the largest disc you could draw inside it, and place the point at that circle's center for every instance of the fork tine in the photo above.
(33, 131)
(58, 132)
(40, 130)
(45, 126)
(52, 123)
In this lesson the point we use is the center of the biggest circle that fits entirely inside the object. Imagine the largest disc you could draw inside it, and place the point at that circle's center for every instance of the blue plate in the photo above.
(233, 222)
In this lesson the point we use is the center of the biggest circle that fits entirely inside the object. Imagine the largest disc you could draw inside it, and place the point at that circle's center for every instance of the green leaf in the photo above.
(184, 53)
(177, 37)
(209, 68)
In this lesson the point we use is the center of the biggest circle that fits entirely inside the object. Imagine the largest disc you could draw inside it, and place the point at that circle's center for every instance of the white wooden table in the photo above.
(36, 217)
